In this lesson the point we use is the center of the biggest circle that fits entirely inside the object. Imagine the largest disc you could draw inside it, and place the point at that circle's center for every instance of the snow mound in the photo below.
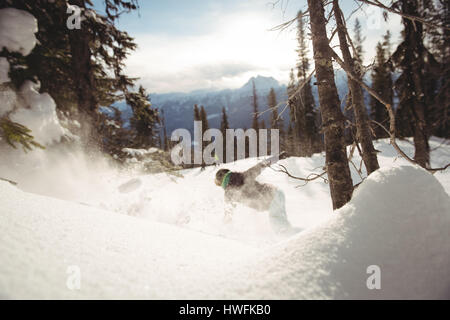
(43, 239)
(17, 29)
(398, 220)
(405, 231)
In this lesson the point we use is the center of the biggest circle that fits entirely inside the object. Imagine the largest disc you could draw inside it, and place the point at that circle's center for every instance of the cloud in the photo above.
(234, 46)
(226, 69)
(217, 76)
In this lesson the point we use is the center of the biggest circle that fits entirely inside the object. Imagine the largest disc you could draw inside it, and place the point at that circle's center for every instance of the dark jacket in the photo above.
(243, 188)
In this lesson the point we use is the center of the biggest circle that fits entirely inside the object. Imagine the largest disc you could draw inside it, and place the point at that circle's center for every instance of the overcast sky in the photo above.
(199, 44)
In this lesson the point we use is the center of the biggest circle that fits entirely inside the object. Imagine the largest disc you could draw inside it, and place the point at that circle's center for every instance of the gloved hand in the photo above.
(272, 160)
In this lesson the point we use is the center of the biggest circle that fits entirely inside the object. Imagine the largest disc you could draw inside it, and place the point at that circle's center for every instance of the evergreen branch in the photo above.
(15, 133)
(377, 3)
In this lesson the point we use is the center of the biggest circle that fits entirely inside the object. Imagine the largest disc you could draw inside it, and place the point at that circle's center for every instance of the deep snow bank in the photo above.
(398, 220)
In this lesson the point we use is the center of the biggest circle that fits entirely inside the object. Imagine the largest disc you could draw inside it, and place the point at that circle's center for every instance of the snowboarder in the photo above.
(242, 187)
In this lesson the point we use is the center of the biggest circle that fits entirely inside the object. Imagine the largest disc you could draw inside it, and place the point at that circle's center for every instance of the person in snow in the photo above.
(242, 187)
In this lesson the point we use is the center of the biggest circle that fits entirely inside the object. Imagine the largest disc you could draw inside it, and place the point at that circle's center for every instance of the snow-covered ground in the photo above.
(75, 227)
(163, 236)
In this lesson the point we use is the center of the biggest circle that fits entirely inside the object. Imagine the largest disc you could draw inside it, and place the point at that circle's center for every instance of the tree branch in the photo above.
(404, 15)
(309, 178)
(389, 109)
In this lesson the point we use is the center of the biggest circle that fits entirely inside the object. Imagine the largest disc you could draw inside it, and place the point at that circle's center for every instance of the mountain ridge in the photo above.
(178, 106)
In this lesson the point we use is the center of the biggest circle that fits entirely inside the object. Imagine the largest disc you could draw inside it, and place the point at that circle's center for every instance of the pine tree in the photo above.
(81, 69)
(291, 88)
(276, 121)
(440, 48)
(358, 44)
(49, 61)
(196, 113)
(255, 124)
(302, 50)
(255, 121)
(224, 125)
(205, 126)
(290, 141)
(383, 85)
(145, 119)
(82, 63)
(166, 143)
(292, 101)
(304, 108)
(415, 84)
(115, 135)
(122, 135)
(204, 119)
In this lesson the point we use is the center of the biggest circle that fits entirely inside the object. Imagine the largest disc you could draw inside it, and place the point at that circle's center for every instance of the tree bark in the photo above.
(414, 66)
(341, 185)
(81, 61)
(363, 135)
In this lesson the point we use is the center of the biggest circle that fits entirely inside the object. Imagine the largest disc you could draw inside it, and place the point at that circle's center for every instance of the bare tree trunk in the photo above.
(341, 185)
(364, 135)
(421, 146)
(421, 132)
(414, 66)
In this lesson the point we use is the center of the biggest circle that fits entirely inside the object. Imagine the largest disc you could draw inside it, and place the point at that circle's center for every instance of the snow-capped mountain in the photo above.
(178, 106)
(261, 84)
